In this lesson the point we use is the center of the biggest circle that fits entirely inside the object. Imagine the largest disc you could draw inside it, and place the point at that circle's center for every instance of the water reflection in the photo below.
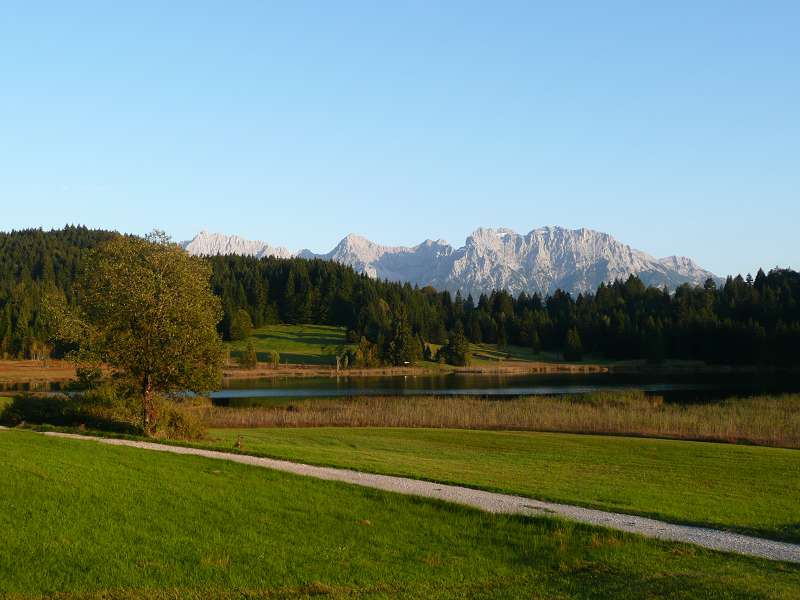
(684, 389)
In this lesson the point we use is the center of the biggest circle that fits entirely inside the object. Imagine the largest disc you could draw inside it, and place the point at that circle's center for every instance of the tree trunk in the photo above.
(148, 407)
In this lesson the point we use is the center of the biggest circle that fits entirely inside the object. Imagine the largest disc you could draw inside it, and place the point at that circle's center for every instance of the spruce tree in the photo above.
(456, 351)
(536, 343)
(573, 348)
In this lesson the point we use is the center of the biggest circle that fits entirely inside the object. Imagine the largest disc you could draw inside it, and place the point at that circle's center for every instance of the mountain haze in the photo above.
(541, 261)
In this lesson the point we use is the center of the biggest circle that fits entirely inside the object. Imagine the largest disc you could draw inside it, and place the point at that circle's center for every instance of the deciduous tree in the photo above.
(145, 308)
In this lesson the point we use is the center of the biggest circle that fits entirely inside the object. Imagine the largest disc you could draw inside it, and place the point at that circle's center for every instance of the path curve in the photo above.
(494, 502)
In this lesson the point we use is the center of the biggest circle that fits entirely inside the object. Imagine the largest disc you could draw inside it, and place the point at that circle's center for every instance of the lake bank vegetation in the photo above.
(760, 420)
(766, 420)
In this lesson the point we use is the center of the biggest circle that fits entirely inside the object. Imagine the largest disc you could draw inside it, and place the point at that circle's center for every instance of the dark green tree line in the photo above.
(741, 321)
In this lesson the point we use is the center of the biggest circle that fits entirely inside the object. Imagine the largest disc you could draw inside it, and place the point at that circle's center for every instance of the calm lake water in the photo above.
(684, 389)
(673, 388)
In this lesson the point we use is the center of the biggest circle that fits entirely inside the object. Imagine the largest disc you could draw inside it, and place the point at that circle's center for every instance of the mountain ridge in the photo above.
(541, 261)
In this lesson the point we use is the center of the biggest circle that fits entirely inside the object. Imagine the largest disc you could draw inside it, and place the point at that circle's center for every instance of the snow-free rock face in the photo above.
(541, 261)
(213, 244)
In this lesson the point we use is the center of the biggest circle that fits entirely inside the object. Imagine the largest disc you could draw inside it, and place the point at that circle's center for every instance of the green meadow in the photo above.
(83, 520)
(746, 488)
(318, 345)
(297, 344)
(484, 353)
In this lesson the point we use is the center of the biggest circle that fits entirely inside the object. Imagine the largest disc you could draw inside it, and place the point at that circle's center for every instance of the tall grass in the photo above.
(766, 420)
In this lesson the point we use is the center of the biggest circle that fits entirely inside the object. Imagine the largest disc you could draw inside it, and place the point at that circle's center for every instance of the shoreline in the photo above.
(516, 368)
(303, 371)
(24, 372)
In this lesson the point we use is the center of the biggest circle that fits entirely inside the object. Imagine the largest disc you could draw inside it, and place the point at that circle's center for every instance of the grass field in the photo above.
(490, 353)
(317, 345)
(26, 371)
(90, 521)
(746, 488)
(297, 344)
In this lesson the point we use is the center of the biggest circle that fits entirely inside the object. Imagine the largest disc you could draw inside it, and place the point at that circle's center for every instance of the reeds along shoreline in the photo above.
(766, 420)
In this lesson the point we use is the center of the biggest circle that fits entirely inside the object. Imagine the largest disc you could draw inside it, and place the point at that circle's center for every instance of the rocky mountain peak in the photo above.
(544, 259)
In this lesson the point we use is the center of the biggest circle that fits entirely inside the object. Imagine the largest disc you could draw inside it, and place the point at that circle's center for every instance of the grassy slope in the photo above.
(317, 344)
(748, 488)
(297, 344)
(98, 521)
(491, 354)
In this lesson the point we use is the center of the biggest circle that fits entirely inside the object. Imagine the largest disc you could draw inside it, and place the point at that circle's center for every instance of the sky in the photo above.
(674, 126)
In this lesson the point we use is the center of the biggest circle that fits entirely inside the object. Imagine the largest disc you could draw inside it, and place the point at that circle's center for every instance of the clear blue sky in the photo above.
(674, 126)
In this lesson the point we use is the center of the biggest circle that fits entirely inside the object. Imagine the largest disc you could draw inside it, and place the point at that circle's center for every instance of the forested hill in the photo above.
(743, 321)
(33, 263)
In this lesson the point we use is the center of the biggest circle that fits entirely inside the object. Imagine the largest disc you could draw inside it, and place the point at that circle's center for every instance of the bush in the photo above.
(111, 407)
(89, 377)
(249, 358)
(275, 358)
(108, 408)
(178, 421)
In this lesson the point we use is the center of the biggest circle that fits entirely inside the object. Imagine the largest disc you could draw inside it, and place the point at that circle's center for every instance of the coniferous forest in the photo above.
(744, 321)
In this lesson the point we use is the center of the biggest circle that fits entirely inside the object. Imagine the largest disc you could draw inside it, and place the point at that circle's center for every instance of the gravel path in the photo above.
(496, 503)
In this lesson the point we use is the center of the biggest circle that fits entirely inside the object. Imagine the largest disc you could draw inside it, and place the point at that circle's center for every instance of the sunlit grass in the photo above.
(82, 520)
(747, 488)
(297, 344)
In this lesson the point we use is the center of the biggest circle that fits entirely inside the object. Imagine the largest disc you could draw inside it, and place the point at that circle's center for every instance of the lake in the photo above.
(674, 388)
(684, 388)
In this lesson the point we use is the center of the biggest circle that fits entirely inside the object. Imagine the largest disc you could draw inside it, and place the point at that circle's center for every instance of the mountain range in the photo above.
(541, 261)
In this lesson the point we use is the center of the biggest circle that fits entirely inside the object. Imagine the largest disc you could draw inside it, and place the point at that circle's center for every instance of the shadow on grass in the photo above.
(305, 359)
(66, 411)
(310, 338)
(291, 358)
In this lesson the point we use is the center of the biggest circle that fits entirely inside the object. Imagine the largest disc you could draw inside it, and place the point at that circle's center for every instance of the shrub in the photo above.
(179, 421)
(249, 358)
(108, 408)
(89, 376)
(275, 358)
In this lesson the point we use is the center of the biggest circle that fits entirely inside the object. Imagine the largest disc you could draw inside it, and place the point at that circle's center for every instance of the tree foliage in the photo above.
(249, 357)
(144, 307)
(241, 325)
(456, 351)
(573, 347)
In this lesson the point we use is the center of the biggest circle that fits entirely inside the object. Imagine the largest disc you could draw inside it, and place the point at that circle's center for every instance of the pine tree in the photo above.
(241, 326)
(536, 343)
(456, 351)
(426, 353)
(402, 347)
(573, 348)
